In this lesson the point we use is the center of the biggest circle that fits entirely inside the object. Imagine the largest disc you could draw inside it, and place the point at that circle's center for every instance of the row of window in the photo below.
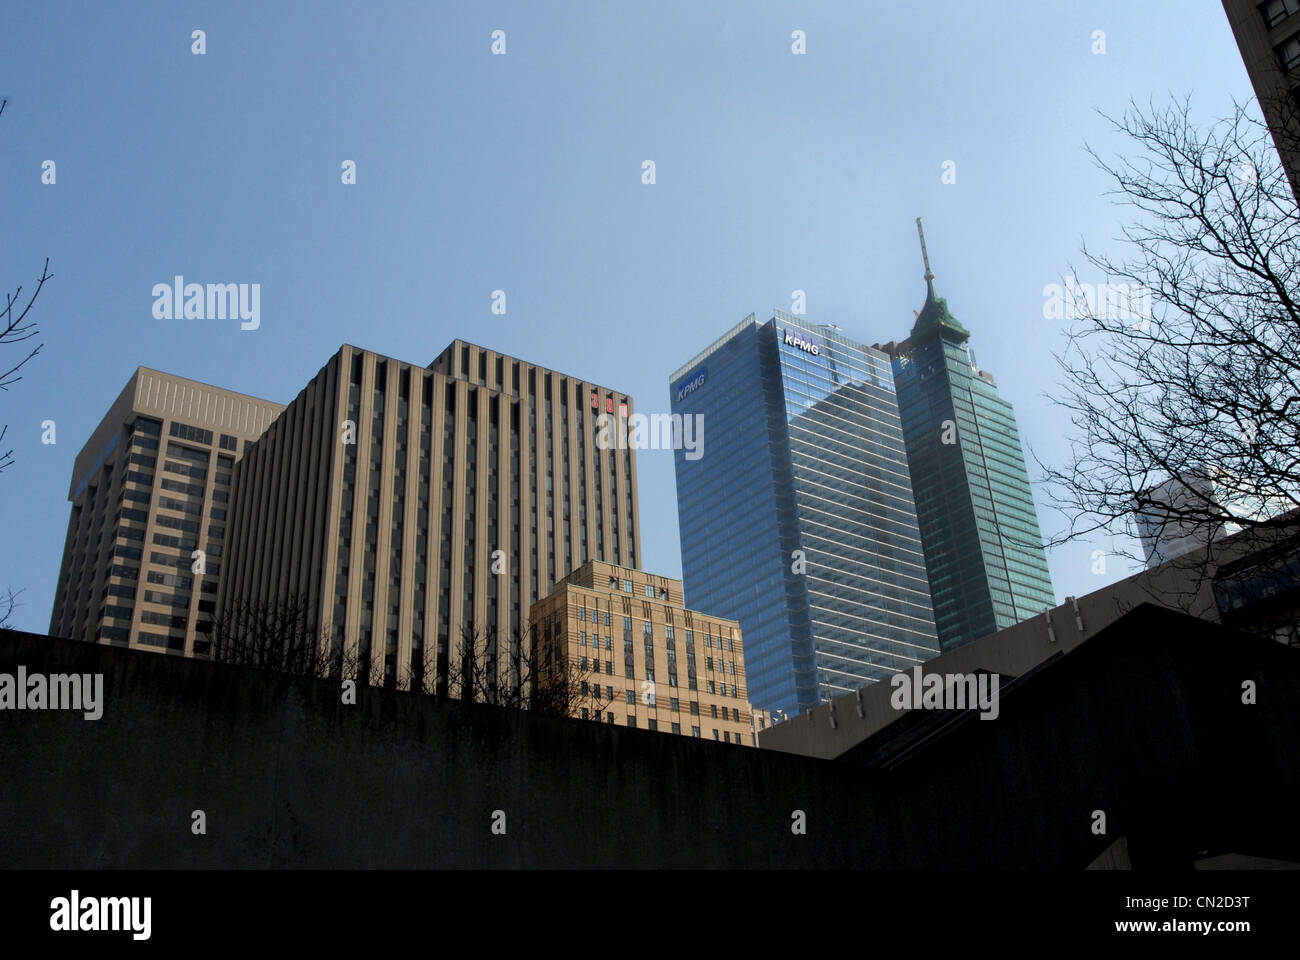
(184, 431)
(725, 736)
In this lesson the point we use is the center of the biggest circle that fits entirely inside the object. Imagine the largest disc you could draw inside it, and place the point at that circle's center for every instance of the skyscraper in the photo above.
(983, 548)
(798, 520)
(1268, 35)
(410, 505)
(150, 498)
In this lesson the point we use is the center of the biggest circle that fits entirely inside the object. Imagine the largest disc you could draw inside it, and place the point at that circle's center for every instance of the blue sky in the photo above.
(522, 172)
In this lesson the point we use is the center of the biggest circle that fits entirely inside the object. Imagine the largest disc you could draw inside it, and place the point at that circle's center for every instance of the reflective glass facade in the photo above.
(798, 520)
(983, 547)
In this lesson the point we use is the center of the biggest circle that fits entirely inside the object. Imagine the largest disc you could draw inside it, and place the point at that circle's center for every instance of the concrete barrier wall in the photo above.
(289, 776)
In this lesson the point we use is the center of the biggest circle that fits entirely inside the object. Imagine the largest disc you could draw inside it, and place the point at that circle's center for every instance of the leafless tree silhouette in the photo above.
(16, 328)
(1207, 387)
(529, 670)
(533, 672)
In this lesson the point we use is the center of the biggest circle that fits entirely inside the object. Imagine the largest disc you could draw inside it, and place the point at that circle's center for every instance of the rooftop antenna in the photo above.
(929, 274)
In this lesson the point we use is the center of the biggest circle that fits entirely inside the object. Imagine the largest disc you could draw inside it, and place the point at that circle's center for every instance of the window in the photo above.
(609, 668)
(650, 590)
(695, 731)
(713, 707)
(184, 431)
(582, 639)
(710, 686)
(229, 443)
(695, 708)
(672, 705)
(1275, 11)
(585, 688)
(654, 724)
(607, 618)
(631, 720)
(677, 728)
(1288, 52)
(715, 735)
(584, 714)
(609, 643)
(609, 693)
(627, 586)
(631, 697)
(582, 615)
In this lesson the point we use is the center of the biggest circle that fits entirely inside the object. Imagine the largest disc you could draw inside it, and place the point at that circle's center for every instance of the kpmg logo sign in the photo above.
(693, 384)
(794, 339)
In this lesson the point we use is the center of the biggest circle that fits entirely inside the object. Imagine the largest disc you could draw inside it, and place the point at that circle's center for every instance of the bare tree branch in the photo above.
(1202, 394)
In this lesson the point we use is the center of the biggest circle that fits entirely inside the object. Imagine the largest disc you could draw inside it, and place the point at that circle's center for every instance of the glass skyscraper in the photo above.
(798, 520)
(983, 548)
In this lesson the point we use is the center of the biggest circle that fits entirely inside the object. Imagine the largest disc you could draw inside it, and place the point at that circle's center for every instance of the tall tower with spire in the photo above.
(979, 528)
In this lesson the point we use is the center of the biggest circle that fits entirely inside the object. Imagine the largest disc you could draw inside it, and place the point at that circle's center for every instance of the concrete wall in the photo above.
(1148, 727)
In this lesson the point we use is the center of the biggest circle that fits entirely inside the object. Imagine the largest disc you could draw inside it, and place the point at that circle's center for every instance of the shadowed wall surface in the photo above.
(1144, 721)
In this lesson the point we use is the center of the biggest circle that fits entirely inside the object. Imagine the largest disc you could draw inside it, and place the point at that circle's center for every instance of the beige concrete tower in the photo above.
(150, 499)
(410, 504)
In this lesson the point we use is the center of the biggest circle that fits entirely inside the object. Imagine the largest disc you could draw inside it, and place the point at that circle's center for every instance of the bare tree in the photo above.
(8, 604)
(280, 635)
(15, 328)
(1200, 394)
(529, 670)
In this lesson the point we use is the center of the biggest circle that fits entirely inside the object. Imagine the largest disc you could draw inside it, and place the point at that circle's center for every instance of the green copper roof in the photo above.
(935, 318)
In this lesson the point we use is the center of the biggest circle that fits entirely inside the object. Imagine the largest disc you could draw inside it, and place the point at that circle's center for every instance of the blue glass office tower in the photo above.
(798, 520)
(983, 550)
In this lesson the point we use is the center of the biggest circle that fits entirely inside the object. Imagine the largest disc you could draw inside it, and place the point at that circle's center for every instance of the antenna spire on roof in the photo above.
(929, 275)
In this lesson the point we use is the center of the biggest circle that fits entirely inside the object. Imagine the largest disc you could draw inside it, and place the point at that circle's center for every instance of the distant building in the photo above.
(150, 498)
(798, 521)
(983, 548)
(1173, 531)
(1185, 514)
(1249, 582)
(411, 506)
(650, 662)
(1268, 35)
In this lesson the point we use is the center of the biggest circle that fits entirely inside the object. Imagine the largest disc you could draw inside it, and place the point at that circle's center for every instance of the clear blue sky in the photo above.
(523, 173)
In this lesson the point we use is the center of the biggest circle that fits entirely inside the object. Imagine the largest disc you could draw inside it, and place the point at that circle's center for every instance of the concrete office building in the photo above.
(150, 495)
(1268, 35)
(409, 506)
(798, 520)
(649, 662)
(983, 548)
